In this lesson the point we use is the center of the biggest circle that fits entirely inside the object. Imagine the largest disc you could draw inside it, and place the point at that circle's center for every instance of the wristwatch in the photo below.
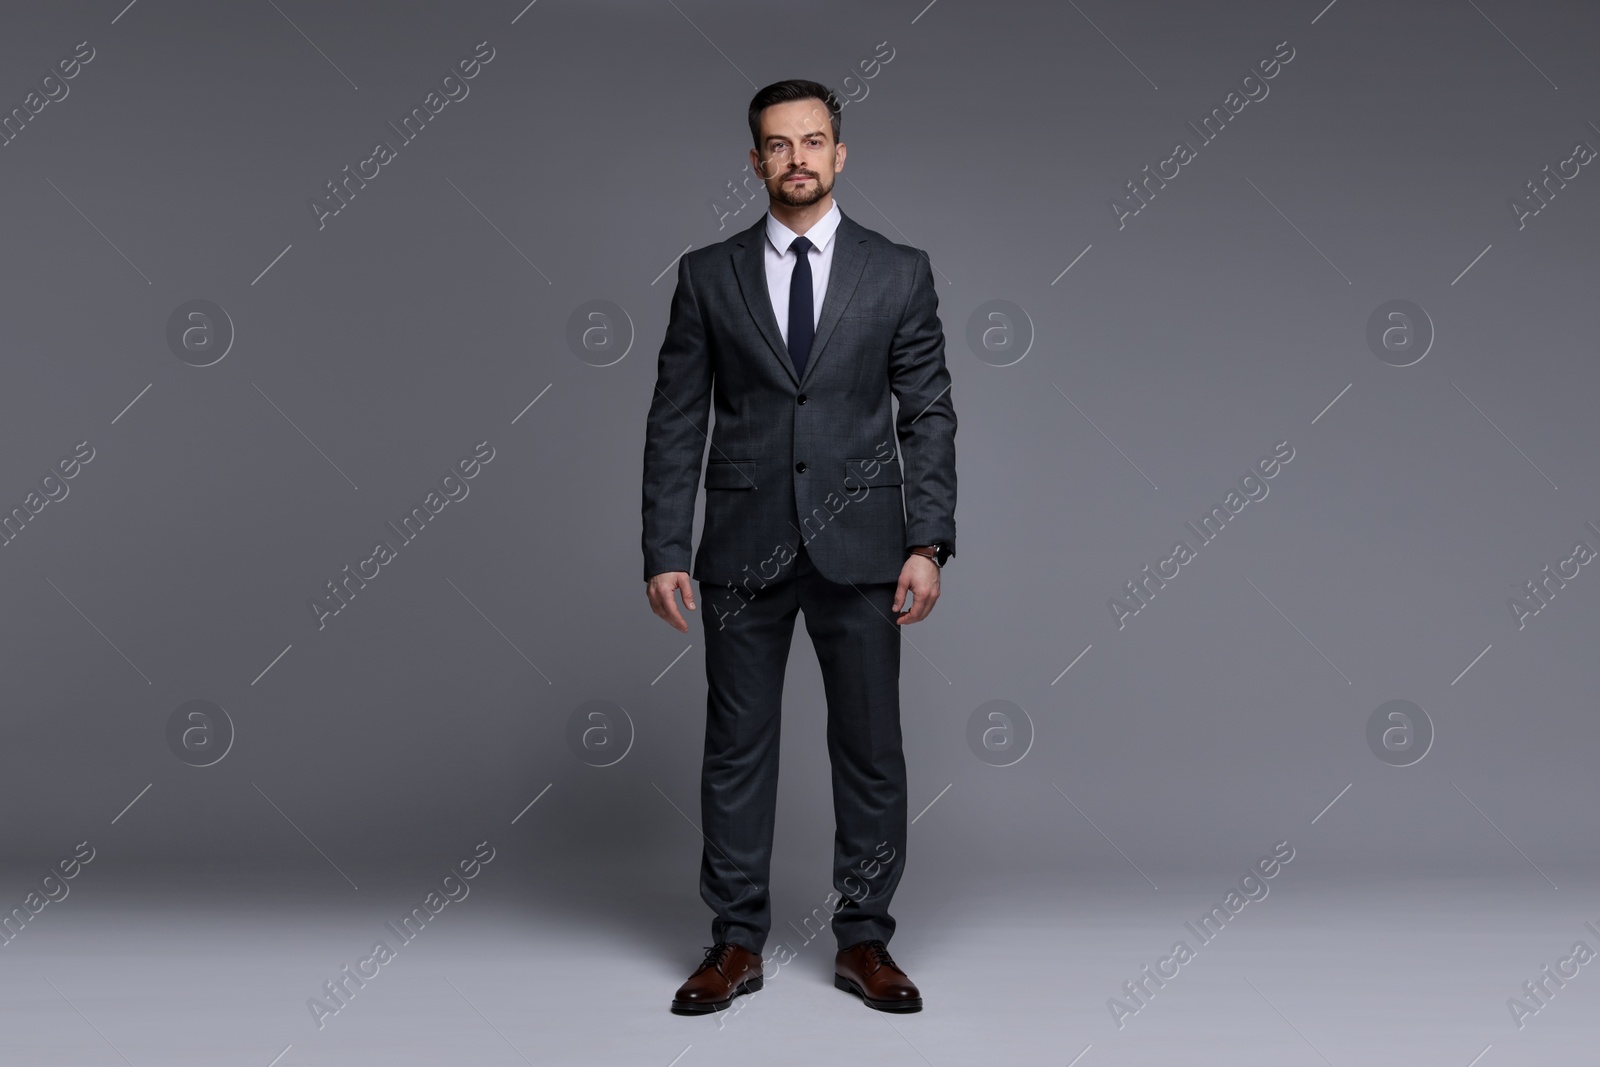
(939, 552)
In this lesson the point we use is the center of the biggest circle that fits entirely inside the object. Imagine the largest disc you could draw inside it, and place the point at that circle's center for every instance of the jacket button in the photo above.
(800, 467)
(802, 398)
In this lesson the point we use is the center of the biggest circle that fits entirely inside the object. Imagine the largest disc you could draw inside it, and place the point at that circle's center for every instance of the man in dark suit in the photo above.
(798, 331)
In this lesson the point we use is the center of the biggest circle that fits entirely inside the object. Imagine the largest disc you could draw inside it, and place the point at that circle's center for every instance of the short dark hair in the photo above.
(793, 89)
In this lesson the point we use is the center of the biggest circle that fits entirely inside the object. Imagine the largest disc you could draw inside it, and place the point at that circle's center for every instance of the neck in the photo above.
(800, 219)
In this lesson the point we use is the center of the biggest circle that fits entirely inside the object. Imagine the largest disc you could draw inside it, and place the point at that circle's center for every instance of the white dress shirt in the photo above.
(781, 262)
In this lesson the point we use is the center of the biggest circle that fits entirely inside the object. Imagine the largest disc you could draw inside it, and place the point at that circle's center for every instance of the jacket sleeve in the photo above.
(675, 434)
(926, 422)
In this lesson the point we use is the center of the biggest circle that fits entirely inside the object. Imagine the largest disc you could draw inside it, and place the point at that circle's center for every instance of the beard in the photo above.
(802, 197)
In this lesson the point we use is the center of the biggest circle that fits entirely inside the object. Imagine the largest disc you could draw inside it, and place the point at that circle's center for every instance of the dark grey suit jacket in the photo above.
(811, 460)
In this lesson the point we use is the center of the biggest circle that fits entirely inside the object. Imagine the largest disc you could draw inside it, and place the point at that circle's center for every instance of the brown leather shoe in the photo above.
(867, 970)
(727, 971)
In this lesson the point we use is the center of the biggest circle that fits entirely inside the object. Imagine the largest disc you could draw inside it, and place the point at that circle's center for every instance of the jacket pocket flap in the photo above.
(731, 473)
(872, 471)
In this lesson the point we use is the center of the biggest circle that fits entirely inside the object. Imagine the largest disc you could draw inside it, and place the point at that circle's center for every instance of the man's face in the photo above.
(798, 157)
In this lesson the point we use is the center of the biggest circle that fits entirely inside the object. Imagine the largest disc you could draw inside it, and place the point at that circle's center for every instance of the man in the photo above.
(798, 330)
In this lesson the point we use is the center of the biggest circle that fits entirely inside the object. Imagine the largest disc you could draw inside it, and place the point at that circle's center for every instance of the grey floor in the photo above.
(542, 967)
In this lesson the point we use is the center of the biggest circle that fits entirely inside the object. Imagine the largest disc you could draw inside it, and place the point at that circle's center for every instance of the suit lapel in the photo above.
(849, 259)
(749, 267)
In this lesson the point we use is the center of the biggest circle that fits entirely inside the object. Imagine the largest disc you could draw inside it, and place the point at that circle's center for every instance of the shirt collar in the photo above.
(820, 234)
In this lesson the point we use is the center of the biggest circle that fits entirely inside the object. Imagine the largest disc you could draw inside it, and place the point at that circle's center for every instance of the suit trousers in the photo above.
(749, 629)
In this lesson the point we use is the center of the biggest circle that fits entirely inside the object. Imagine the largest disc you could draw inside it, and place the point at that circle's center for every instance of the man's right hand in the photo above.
(664, 603)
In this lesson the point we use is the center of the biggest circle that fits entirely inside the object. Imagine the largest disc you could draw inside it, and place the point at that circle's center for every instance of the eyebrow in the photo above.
(784, 137)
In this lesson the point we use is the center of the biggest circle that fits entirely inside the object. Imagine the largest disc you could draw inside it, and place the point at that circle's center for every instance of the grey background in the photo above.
(1223, 318)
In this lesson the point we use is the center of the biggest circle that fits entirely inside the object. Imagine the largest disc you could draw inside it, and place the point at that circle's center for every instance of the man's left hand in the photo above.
(921, 575)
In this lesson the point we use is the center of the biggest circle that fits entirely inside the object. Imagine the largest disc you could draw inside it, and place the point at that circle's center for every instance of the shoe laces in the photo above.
(715, 954)
(880, 954)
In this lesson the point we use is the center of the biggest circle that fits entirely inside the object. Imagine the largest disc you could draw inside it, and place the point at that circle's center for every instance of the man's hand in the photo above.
(921, 575)
(665, 604)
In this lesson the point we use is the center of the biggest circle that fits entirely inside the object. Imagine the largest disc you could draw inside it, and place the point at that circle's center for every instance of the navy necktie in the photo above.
(801, 325)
